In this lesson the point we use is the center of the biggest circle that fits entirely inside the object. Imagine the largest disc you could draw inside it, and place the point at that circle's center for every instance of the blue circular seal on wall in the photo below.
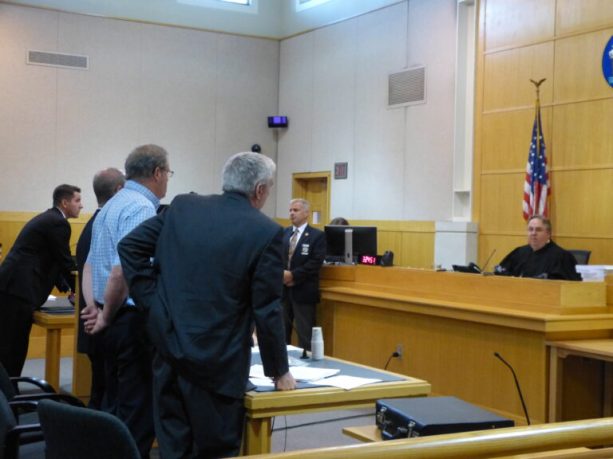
(607, 62)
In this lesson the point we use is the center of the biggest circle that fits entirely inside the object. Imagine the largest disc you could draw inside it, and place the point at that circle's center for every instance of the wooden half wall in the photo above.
(411, 241)
(562, 41)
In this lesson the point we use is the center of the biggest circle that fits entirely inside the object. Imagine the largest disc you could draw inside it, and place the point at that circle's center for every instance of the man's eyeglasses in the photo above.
(169, 172)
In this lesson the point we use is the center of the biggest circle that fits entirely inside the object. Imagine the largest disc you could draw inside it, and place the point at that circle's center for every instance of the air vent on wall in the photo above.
(407, 87)
(62, 60)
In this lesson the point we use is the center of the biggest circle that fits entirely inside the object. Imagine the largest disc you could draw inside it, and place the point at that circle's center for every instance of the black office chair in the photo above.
(582, 256)
(12, 386)
(13, 434)
(76, 432)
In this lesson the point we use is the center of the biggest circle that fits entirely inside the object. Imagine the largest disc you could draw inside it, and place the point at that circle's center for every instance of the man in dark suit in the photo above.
(304, 250)
(216, 270)
(39, 259)
(106, 183)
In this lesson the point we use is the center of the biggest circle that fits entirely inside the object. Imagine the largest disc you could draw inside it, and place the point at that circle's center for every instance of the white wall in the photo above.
(333, 87)
(201, 95)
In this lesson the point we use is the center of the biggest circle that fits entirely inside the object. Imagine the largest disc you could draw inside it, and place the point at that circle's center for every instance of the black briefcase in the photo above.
(421, 416)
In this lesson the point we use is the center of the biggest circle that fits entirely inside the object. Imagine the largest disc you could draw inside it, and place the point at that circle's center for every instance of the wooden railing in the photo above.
(481, 444)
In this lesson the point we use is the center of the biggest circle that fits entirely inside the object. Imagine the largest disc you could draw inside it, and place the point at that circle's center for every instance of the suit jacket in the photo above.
(85, 342)
(39, 259)
(217, 269)
(306, 264)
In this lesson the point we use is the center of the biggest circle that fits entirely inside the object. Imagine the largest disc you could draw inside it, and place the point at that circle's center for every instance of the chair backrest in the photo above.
(582, 256)
(7, 423)
(74, 432)
(6, 385)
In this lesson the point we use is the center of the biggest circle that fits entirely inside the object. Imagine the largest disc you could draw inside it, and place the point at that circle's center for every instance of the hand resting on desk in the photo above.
(285, 382)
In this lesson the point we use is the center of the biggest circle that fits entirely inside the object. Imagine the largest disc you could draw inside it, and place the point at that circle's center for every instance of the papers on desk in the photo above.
(346, 382)
(304, 374)
(315, 376)
(57, 305)
(594, 273)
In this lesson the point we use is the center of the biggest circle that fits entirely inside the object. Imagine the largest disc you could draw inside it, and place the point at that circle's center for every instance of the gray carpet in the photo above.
(290, 433)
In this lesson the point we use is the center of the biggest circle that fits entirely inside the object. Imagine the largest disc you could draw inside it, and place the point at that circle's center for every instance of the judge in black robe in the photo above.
(541, 257)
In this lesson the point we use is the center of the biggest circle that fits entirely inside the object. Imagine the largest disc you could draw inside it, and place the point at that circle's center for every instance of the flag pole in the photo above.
(537, 107)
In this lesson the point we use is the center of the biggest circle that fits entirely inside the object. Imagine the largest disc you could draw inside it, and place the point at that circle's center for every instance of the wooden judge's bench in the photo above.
(450, 325)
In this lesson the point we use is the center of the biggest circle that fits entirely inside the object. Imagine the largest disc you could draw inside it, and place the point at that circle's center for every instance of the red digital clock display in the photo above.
(368, 259)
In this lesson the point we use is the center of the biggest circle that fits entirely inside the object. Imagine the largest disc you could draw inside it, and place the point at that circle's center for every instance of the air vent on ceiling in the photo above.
(62, 60)
(407, 87)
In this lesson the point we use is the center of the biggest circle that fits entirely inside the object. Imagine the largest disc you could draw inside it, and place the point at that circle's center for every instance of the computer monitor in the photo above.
(347, 243)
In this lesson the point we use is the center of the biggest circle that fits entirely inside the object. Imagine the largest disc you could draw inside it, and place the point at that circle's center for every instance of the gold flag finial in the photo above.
(537, 84)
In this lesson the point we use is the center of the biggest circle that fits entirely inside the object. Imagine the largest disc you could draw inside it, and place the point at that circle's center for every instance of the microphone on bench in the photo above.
(521, 397)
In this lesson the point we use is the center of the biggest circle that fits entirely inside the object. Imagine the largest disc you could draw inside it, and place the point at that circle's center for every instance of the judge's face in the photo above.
(538, 234)
(298, 214)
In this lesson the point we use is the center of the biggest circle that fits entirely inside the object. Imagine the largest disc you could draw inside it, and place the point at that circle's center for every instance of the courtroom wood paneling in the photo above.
(501, 197)
(587, 209)
(512, 71)
(411, 241)
(582, 134)
(11, 224)
(576, 113)
(517, 22)
(439, 349)
(506, 139)
(574, 16)
(503, 244)
(578, 67)
(450, 324)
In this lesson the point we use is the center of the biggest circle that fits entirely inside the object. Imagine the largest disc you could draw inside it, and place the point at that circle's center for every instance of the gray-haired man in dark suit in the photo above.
(217, 271)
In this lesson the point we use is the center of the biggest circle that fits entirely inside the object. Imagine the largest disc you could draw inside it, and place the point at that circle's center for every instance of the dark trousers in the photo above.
(129, 376)
(15, 325)
(303, 316)
(192, 422)
(98, 387)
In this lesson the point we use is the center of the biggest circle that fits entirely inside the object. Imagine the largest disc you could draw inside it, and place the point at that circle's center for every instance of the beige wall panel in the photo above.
(602, 249)
(578, 15)
(582, 134)
(578, 67)
(502, 244)
(583, 203)
(518, 22)
(11, 224)
(506, 139)
(426, 341)
(418, 250)
(508, 73)
(501, 201)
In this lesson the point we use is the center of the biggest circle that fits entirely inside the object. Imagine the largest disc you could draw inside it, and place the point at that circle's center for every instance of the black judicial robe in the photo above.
(550, 262)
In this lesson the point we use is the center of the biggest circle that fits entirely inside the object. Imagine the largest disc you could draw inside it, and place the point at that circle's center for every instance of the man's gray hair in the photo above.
(243, 172)
(142, 162)
(545, 221)
(306, 205)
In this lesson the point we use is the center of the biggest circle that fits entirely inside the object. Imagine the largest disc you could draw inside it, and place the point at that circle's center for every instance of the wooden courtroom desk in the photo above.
(263, 406)
(53, 324)
(592, 349)
(450, 324)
